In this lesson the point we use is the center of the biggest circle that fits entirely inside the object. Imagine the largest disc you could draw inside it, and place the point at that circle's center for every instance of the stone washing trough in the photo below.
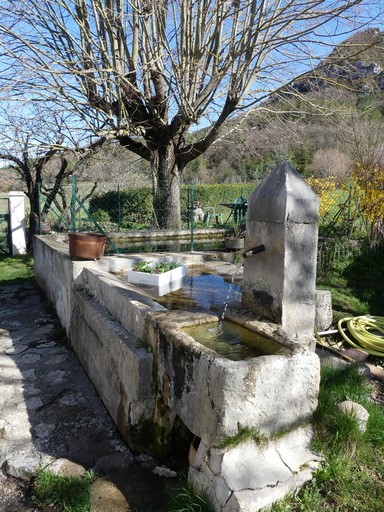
(243, 428)
(176, 399)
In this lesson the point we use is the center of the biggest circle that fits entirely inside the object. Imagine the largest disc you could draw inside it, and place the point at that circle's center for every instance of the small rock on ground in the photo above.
(106, 497)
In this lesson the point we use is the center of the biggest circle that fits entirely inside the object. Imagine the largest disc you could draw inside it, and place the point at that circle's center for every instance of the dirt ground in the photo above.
(13, 496)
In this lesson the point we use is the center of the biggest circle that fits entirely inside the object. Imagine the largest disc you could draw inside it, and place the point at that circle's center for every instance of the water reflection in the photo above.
(233, 341)
(202, 292)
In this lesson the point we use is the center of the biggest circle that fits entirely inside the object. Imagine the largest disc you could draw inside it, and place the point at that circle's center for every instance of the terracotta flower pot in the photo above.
(86, 246)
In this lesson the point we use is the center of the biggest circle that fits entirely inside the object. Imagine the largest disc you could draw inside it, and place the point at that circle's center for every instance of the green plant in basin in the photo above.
(151, 267)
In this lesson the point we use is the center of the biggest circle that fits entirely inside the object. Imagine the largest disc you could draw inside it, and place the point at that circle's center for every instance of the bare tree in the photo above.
(39, 152)
(144, 72)
(115, 167)
(331, 162)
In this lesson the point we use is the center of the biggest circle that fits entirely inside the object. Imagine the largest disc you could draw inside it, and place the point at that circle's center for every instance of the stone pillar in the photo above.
(17, 222)
(279, 283)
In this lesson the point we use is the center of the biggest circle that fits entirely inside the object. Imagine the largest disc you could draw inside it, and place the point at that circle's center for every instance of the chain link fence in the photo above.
(119, 210)
(347, 210)
(108, 207)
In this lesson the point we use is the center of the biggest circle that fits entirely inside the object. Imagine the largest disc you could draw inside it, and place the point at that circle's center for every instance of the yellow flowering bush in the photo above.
(325, 189)
(368, 195)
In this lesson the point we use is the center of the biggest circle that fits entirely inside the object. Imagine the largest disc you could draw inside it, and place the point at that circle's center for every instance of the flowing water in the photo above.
(230, 288)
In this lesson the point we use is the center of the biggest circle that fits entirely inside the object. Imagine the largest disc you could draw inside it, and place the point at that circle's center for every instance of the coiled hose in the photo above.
(360, 328)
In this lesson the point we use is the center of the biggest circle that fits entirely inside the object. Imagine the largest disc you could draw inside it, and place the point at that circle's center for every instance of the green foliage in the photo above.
(127, 208)
(69, 494)
(251, 170)
(133, 209)
(15, 269)
(144, 345)
(151, 267)
(300, 158)
(371, 106)
(186, 500)
(101, 215)
(350, 478)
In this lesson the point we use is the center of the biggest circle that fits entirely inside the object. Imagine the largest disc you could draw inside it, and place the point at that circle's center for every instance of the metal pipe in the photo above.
(255, 250)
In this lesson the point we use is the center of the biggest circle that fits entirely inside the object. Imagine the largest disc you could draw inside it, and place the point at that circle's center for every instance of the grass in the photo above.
(186, 500)
(351, 479)
(69, 494)
(356, 284)
(15, 269)
(244, 434)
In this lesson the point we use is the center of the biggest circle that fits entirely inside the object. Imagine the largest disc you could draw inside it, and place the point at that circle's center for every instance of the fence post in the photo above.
(17, 223)
(39, 208)
(118, 208)
(73, 203)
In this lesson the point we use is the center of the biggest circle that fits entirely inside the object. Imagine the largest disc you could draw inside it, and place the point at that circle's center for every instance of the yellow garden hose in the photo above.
(367, 332)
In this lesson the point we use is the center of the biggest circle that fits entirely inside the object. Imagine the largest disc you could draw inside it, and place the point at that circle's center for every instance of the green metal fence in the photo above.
(106, 207)
(4, 227)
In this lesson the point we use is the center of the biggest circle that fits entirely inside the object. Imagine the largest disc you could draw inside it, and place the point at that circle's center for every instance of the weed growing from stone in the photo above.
(244, 434)
(185, 500)
(143, 344)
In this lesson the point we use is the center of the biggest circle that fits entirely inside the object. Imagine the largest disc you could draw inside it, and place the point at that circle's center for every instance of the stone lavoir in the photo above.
(249, 420)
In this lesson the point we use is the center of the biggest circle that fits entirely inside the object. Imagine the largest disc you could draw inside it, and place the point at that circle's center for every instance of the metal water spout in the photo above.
(255, 250)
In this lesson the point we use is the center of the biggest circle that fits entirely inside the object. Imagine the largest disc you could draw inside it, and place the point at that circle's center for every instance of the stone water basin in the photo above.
(212, 394)
(215, 395)
(233, 341)
(201, 289)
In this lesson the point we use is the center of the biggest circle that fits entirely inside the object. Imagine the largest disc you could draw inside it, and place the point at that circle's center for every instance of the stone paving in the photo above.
(49, 409)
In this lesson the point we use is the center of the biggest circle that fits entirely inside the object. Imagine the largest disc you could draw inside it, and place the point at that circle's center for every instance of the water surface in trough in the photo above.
(201, 290)
(232, 340)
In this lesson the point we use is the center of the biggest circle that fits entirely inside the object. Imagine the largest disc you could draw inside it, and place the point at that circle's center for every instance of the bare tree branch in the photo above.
(144, 72)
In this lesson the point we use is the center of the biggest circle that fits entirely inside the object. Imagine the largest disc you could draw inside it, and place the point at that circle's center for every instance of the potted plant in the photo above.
(156, 273)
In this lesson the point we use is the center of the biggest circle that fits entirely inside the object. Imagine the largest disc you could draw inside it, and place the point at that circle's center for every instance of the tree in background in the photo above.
(331, 162)
(38, 151)
(145, 72)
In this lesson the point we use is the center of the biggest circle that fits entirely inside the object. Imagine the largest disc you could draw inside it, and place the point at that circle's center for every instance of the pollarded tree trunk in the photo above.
(33, 197)
(166, 188)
